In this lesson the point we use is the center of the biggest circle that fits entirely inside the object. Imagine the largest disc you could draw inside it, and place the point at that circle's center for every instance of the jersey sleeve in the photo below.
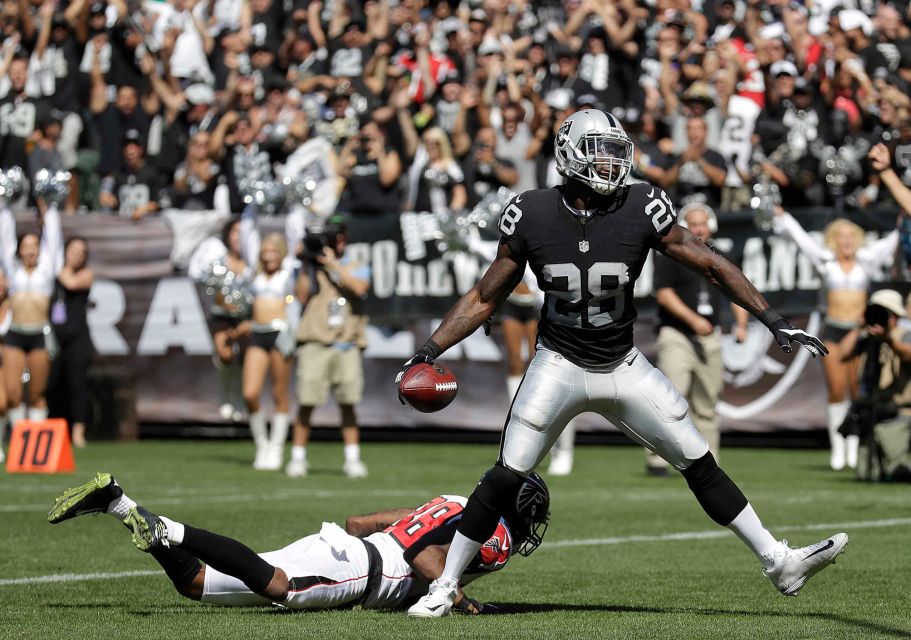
(657, 207)
(513, 222)
(494, 553)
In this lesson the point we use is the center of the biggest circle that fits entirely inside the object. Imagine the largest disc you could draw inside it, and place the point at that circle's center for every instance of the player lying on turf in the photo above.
(382, 560)
(587, 242)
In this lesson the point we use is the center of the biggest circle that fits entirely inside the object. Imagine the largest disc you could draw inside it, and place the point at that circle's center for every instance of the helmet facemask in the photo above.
(602, 158)
(605, 162)
(532, 512)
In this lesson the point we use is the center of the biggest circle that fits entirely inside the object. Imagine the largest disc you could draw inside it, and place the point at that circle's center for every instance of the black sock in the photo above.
(715, 491)
(229, 556)
(490, 500)
(179, 565)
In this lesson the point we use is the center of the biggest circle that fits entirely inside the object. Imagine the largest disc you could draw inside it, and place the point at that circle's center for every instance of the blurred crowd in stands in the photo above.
(429, 105)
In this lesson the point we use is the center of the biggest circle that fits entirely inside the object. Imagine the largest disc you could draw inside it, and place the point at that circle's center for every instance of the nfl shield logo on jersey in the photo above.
(583, 246)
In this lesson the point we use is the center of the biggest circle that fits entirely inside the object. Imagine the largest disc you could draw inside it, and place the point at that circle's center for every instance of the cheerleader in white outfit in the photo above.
(845, 262)
(270, 338)
(31, 263)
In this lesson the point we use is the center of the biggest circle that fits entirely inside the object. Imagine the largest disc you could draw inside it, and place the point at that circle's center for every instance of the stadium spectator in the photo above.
(245, 161)
(54, 73)
(331, 337)
(69, 383)
(20, 115)
(435, 180)
(197, 177)
(514, 142)
(371, 168)
(45, 154)
(484, 171)
(32, 263)
(696, 174)
(128, 112)
(134, 190)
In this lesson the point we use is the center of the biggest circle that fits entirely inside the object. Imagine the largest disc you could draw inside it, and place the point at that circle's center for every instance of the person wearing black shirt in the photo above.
(689, 338)
(133, 191)
(697, 174)
(114, 120)
(197, 177)
(372, 169)
(484, 171)
(69, 383)
(19, 117)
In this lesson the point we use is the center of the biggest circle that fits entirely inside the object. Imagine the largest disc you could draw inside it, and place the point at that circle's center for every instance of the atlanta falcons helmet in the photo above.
(592, 147)
(532, 511)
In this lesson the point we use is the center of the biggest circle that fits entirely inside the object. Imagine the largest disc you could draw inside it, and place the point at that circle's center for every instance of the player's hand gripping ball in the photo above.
(428, 387)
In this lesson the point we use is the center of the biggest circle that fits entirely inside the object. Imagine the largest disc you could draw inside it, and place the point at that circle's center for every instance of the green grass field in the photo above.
(607, 568)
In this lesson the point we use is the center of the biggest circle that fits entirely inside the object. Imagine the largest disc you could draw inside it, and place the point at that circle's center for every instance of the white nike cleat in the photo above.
(438, 601)
(791, 568)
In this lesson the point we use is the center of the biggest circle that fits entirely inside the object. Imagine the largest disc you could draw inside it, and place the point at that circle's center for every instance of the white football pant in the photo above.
(332, 568)
(632, 394)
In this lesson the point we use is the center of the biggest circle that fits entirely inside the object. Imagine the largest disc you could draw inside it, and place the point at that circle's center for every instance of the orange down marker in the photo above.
(40, 447)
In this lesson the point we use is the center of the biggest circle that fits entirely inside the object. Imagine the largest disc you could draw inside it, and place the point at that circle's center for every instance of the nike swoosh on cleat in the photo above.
(434, 608)
(829, 545)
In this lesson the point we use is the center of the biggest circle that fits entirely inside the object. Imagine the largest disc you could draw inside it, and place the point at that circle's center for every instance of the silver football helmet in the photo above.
(592, 147)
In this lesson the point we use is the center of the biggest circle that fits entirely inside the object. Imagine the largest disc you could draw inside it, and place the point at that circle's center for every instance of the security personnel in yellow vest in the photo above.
(331, 336)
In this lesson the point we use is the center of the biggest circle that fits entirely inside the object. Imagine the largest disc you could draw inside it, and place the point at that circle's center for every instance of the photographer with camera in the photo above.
(331, 336)
(880, 417)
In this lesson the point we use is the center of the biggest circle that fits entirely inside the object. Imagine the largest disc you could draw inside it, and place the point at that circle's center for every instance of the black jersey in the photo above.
(587, 265)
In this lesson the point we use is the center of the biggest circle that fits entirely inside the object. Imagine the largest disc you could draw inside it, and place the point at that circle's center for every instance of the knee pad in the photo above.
(721, 499)
(498, 487)
(492, 498)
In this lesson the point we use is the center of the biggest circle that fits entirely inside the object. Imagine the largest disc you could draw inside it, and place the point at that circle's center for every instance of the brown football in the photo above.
(428, 387)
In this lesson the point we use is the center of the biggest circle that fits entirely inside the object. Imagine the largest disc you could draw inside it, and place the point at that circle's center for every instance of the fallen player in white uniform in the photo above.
(383, 560)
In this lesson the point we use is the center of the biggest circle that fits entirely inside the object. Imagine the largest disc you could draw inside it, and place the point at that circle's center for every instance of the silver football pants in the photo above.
(632, 394)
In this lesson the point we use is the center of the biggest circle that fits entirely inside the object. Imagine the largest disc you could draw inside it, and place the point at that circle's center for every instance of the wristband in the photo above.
(431, 348)
(770, 317)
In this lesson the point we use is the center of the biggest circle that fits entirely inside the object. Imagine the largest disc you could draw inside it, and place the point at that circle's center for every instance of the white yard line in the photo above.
(75, 577)
(668, 537)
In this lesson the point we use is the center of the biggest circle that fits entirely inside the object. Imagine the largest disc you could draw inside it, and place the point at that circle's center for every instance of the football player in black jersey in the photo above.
(586, 242)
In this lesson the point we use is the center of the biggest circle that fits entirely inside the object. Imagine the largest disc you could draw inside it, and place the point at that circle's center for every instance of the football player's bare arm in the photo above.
(363, 526)
(428, 563)
(473, 309)
(682, 246)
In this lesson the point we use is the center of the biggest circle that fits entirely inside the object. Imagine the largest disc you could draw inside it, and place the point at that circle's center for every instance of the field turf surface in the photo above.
(609, 567)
